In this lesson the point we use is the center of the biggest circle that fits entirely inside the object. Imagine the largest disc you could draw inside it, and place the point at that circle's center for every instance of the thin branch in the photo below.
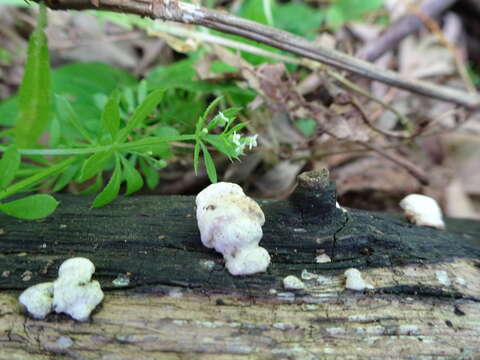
(412, 168)
(363, 115)
(191, 14)
(403, 27)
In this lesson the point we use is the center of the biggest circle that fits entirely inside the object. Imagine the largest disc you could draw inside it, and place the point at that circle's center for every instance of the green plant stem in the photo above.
(19, 186)
(153, 141)
(90, 150)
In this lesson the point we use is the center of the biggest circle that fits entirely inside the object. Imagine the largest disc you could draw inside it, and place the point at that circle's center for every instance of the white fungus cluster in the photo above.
(293, 283)
(231, 223)
(422, 210)
(354, 280)
(73, 293)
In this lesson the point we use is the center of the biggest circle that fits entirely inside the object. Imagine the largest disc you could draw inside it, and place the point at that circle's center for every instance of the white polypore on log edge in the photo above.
(73, 293)
(231, 223)
(422, 210)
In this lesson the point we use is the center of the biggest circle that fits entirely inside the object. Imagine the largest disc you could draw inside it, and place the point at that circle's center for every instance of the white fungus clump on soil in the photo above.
(354, 280)
(231, 223)
(73, 293)
(422, 210)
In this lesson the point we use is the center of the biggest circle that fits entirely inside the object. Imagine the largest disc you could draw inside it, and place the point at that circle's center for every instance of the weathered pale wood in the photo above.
(329, 323)
(426, 301)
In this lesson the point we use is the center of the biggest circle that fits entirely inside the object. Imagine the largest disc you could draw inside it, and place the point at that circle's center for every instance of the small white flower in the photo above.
(251, 141)
(239, 149)
(222, 120)
(236, 139)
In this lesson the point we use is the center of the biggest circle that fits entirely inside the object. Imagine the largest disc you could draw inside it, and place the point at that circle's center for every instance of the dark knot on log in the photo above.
(315, 195)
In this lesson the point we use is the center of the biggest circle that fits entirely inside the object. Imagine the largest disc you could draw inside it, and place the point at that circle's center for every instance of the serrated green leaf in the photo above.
(94, 164)
(30, 207)
(110, 192)
(111, 117)
(151, 175)
(35, 90)
(9, 165)
(141, 112)
(209, 164)
(132, 176)
(66, 113)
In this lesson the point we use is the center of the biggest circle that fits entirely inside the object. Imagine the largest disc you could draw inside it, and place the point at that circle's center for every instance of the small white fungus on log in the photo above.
(354, 280)
(292, 282)
(422, 210)
(231, 223)
(73, 293)
(37, 300)
(322, 258)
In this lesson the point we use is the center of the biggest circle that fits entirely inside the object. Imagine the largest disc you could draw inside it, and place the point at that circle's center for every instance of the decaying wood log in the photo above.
(180, 303)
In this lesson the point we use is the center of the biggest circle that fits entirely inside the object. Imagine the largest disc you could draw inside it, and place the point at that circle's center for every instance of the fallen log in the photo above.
(169, 297)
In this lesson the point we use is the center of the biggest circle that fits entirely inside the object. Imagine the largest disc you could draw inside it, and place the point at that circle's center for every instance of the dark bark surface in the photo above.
(154, 240)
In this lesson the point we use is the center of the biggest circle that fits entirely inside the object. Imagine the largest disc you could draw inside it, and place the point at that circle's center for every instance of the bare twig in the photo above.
(363, 115)
(403, 27)
(413, 169)
(191, 14)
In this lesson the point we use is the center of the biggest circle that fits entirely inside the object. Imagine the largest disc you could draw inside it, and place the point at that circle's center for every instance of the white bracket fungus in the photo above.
(72, 293)
(422, 210)
(231, 223)
(354, 280)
